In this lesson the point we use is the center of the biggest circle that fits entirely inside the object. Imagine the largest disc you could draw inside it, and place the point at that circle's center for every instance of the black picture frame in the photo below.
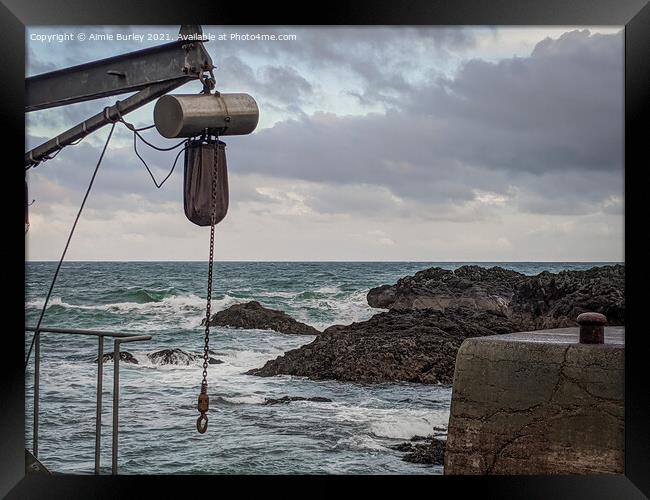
(634, 14)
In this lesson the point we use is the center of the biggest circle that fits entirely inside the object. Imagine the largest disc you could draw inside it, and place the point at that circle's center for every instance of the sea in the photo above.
(352, 434)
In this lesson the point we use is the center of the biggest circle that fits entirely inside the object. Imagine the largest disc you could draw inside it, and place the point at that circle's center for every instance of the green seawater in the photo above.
(350, 435)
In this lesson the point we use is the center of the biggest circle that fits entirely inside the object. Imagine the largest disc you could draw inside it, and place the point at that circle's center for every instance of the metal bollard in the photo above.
(592, 328)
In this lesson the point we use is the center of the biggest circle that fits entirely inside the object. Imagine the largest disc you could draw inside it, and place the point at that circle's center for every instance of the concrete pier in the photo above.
(538, 403)
(33, 465)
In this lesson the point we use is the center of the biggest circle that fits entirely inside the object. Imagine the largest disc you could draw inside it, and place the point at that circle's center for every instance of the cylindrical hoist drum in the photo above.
(200, 159)
(189, 115)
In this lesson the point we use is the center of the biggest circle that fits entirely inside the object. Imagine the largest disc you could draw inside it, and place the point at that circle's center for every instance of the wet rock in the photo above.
(253, 315)
(214, 361)
(547, 300)
(173, 357)
(403, 447)
(432, 452)
(473, 287)
(125, 357)
(431, 313)
(414, 346)
(550, 300)
(288, 399)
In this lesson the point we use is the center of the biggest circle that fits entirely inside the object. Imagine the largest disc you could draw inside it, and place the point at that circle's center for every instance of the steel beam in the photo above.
(108, 115)
(180, 60)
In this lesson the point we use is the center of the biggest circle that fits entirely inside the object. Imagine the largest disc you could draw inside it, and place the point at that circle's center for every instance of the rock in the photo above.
(173, 357)
(288, 399)
(383, 296)
(252, 315)
(431, 313)
(432, 453)
(414, 346)
(421, 438)
(473, 287)
(403, 447)
(214, 361)
(547, 300)
(125, 356)
(551, 300)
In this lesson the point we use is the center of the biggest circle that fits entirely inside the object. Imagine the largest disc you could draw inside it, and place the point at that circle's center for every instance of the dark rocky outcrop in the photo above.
(253, 315)
(431, 313)
(414, 346)
(473, 287)
(432, 452)
(178, 357)
(550, 300)
(547, 300)
(289, 399)
(125, 357)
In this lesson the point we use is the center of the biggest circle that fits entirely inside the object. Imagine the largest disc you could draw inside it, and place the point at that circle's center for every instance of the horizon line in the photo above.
(362, 261)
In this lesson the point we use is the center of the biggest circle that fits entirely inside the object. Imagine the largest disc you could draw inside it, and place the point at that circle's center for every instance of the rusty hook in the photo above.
(202, 423)
(204, 401)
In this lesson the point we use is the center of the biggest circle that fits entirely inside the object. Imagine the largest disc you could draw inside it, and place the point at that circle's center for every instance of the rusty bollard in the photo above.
(592, 327)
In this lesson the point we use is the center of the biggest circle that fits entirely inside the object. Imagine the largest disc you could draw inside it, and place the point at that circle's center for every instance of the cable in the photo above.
(137, 135)
(53, 155)
(158, 185)
(136, 131)
(58, 267)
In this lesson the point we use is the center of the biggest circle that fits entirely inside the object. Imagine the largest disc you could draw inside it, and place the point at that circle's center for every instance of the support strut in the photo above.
(108, 115)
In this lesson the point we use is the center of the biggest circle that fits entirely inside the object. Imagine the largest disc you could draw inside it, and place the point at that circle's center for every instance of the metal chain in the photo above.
(202, 421)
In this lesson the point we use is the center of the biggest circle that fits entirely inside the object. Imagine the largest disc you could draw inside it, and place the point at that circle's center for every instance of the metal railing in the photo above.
(119, 338)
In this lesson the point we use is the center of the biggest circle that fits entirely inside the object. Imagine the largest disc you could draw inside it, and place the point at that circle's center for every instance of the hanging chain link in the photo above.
(202, 421)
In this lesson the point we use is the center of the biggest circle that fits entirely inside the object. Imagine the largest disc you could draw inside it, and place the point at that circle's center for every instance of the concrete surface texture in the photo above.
(538, 403)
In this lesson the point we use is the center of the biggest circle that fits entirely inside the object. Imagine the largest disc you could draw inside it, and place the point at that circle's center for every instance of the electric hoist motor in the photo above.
(190, 115)
(208, 116)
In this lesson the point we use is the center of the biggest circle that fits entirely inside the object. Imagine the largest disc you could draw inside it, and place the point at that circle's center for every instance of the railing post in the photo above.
(116, 397)
(37, 377)
(98, 416)
(119, 338)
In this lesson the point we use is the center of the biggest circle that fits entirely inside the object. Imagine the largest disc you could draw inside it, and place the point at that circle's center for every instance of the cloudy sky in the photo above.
(395, 143)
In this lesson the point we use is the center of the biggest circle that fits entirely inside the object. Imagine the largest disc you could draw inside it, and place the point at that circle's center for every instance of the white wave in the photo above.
(344, 310)
(404, 428)
(360, 442)
(247, 400)
(175, 302)
(283, 295)
(393, 423)
(186, 311)
(245, 360)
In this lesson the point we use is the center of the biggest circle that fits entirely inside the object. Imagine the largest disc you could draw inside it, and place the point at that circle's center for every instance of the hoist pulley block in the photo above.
(190, 115)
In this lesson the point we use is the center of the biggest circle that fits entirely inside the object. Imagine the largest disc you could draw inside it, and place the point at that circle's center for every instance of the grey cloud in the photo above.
(276, 85)
(544, 132)
(549, 124)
